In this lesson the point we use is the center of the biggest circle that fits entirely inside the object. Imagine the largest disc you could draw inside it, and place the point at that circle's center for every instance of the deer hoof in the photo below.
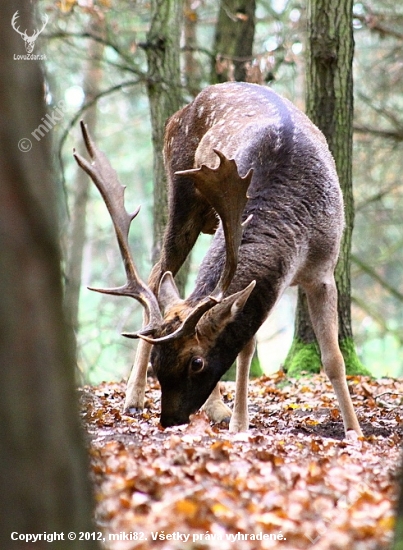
(217, 411)
(133, 411)
(352, 435)
(134, 402)
(238, 424)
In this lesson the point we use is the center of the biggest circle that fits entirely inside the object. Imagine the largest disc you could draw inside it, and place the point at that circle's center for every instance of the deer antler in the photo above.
(17, 29)
(106, 180)
(187, 328)
(225, 190)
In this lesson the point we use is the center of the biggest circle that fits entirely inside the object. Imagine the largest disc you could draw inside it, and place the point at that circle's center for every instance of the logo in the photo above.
(29, 40)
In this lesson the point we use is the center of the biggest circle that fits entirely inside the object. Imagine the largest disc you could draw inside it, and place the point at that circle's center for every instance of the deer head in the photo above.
(184, 333)
(188, 367)
(29, 40)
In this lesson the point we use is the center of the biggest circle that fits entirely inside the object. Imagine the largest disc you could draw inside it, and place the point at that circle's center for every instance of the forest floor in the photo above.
(290, 482)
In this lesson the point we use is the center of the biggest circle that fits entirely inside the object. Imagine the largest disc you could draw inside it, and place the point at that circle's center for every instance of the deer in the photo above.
(246, 165)
(29, 40)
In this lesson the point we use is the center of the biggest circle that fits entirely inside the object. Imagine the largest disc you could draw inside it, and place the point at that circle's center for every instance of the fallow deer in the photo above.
(245, 157)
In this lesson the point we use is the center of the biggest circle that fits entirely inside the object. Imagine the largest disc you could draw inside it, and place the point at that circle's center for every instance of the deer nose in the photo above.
(174, 410)
(168, 420)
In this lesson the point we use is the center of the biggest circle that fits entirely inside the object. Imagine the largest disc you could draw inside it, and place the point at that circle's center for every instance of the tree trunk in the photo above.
(77, 237)
(329, 102)
(44, 483)
(235, 31)
(165, 98)
(192, 70)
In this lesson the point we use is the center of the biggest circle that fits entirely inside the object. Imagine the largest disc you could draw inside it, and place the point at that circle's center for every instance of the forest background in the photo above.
(96, 65)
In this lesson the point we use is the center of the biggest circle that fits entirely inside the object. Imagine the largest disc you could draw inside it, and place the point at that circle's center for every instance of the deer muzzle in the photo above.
(175, 410)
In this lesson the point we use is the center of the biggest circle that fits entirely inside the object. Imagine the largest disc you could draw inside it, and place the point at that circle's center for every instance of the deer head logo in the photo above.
(29, 40)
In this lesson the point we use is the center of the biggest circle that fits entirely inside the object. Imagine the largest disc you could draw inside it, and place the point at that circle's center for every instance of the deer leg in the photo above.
(136, 385)
(322, 302)
(215, 408)
(240, 418)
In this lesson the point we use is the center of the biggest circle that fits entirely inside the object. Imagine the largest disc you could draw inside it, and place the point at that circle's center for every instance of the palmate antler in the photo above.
(224, 189)
(106, 180)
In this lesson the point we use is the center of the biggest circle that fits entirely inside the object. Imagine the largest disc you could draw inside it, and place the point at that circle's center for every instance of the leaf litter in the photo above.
(291, 482)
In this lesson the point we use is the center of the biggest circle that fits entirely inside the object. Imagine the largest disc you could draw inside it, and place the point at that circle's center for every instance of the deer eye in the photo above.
(196, 364)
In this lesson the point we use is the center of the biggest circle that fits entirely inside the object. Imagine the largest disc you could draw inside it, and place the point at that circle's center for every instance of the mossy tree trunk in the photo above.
(329, 104)
(165, 98)
(44, 477)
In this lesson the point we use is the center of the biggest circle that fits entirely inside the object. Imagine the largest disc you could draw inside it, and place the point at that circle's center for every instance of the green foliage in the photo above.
(398, 541)
(382, 354)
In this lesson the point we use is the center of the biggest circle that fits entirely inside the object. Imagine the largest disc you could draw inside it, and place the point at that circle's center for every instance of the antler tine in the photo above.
(225, 190)
(107, 182)
(187, 328)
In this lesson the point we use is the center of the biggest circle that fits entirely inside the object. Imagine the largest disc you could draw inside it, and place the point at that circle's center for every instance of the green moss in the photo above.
(302, 358)
(255, 370)
(306, 358)
(354, 366)
(230, 375)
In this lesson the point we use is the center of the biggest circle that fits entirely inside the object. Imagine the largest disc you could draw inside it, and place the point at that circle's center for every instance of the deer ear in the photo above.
(168, 293)
(216, 319)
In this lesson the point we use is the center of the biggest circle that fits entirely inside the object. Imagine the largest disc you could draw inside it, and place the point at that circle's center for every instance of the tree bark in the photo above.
(44, 483)
(330, 107)
(192, 68)
(235, 31)
(165, 96)
(329, 104)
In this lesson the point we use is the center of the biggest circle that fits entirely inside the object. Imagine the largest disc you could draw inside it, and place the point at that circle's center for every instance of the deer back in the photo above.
(294, 194)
